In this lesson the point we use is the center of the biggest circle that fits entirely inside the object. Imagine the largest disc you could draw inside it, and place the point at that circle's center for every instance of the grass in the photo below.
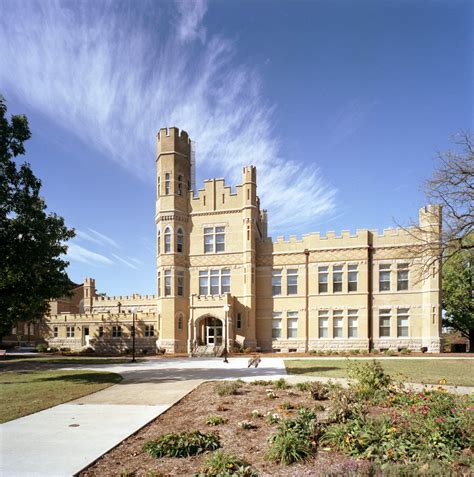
(427, 371)
(25, 392)
(66, 359)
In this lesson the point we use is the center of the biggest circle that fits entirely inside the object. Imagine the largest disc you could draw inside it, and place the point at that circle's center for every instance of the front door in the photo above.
(213, 332)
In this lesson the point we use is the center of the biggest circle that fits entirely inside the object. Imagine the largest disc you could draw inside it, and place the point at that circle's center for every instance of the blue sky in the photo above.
(341, 105)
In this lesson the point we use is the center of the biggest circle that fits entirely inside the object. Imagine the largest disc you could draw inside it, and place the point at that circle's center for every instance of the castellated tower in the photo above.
(173, 166)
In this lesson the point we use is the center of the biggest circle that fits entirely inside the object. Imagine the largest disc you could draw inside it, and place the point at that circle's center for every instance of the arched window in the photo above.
(167, 183)
(158, 186)
(167, 240)
(179, 241)
(158, 242)
(180, 322)
(180, 185)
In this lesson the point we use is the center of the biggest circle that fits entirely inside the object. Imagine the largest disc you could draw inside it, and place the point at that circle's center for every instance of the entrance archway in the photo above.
(213, 332)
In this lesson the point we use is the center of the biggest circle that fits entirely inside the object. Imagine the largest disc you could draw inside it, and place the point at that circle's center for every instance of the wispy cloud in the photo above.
(127, 262)
(96, 237)
(113, 73)
(77, 253)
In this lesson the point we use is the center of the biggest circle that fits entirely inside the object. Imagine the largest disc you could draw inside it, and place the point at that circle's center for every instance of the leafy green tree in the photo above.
(31, 240)
(458, 298)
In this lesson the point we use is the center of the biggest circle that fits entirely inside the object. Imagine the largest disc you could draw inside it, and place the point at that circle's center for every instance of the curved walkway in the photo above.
(63, 440)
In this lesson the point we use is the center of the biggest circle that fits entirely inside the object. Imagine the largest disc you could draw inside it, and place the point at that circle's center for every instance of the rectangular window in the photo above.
(69, 331)
(116, 331)
(323, 323)
(292, 281)
(402, 322)
(167, 183)
(337, 278)
(337, 324)
(167, 282)
(276, 282)
(292, 324)
(55, 332)
(219, 281)
(352, 323)
(180, 284)
(214, 239)
(352, 278)
(149, 330)
(323, 279)
(239, 321)
(402, 276)
(101, 331)
(384, 323)
(384, 277)
(276, 325)
(159, 284)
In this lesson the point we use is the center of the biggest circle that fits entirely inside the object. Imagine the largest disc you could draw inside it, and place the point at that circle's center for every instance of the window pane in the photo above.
(323, 327)
(214, 285)
(203, 284)
(292, 331)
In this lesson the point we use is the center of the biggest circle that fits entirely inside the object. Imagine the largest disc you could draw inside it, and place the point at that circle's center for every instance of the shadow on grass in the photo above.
(83, 378)
(312, 369)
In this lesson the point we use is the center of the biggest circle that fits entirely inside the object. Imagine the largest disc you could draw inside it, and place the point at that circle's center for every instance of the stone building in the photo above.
(221, 280)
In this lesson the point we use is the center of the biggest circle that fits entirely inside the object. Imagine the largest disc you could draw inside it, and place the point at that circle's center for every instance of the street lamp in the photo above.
(226, 331)
(134, 309)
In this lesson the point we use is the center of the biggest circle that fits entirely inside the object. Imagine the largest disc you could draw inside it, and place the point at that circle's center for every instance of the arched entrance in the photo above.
(213, 335)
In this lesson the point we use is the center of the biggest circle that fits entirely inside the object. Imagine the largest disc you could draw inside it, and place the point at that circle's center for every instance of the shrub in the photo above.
(261, 382)
(182, 444)
(41, 348)
(306, 386)
(273, 418)
(256, 413)
(220, 464)
(372, 382)
(389, 352)
(227, 388)
(281, 384)
(287, 406)
(405, 351)
(215, 420)
(270, 394)
(247, 425)
(319, 391)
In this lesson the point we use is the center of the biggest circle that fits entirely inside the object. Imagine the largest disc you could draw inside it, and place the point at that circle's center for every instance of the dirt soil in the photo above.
(191, 413)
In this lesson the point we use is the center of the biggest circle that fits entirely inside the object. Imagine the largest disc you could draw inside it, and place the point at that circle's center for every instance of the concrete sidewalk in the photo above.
(62, 440)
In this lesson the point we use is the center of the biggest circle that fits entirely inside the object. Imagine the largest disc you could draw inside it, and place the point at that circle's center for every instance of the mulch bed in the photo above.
(191, 413)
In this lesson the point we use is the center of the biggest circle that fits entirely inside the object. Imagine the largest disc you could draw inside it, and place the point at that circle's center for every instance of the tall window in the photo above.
(180, 185)
(292, 324)
(238, 322)
(384, 277)
(101, 331)
(167, 240)
(276, 282)
(352, 278)
(179, 241)
(116, 331)
(180, 284)
(180, 322)
(167, 282)
(149, 330)
(323, 323)
(158, 242)
(402, 322)
(402, 276)
(214, 282)
(352, 323)
(292, 281)
(158, 186)
(337, 278)
(337, 324)
(276, 325)
(69, 331)
(214, 239)
(159, 283)
(167, 183)
(323, 279)
(55, 332)
(384, 323)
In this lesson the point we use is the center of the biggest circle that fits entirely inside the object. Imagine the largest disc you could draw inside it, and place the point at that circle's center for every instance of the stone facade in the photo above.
(222, 281)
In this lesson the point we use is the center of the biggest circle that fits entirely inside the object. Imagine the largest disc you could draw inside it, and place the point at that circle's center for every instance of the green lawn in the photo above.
(66, 359)
(25, 392)
(428, 371)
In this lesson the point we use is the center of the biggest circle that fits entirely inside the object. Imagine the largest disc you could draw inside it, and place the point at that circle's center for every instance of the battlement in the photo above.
(135, 298)
(105, 317)
(172, 140)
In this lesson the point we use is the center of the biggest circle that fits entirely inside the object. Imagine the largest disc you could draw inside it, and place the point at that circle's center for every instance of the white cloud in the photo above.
(127, 262)
(114, 75)
(77, 253)
(96, 237)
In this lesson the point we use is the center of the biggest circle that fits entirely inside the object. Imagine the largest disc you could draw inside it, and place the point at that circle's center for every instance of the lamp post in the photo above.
(226, 331)
(134, 309)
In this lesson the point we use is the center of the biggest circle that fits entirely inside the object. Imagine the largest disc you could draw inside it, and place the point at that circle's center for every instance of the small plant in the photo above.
(247, 425)
(261, 382)
(41, 348)
(270, 394)
(306, 386)
(182, 444)
(227, 388)
(256, 413)
(287, 406)
(215, 420)
(319, 391)
(273, 418)
(389, 352)
(221, 408)
(221, 464)
(281, 384)
(405, 351)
